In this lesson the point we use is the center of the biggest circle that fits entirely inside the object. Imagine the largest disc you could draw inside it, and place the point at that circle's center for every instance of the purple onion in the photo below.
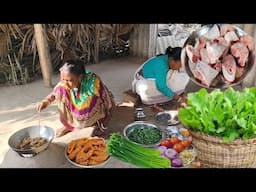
(170, 153)
(177, 162)
(162, 149)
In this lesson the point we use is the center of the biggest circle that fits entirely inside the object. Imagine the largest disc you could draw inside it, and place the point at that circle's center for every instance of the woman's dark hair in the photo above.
(174, 53)
(75, 67)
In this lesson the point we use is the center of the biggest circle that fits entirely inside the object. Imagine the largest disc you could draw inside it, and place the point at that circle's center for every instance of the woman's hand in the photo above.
(42, 105)
(175, 65)
(176, 97)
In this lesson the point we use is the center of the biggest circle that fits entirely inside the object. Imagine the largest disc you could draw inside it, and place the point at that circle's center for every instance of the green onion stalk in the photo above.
(125, 150)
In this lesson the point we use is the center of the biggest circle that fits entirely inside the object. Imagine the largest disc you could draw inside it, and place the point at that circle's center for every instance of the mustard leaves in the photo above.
(227, 114)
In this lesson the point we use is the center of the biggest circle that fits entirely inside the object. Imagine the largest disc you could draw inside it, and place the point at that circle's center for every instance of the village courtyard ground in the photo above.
(18, 110)
(18, 107)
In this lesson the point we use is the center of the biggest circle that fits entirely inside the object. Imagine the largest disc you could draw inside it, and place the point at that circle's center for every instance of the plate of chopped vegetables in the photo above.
(144, 133)
(187, 156)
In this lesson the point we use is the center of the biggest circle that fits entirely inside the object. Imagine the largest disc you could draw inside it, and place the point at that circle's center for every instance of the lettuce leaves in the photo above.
(227, 114)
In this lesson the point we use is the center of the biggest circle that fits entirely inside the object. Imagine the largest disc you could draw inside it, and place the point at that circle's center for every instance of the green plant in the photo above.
(227, 114)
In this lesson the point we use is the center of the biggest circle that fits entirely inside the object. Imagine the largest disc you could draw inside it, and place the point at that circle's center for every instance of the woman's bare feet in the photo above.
(157, 107)
(99, 130)
(62, 131)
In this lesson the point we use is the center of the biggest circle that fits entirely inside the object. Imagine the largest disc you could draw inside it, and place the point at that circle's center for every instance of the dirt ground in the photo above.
(18, 110)
(18, 103)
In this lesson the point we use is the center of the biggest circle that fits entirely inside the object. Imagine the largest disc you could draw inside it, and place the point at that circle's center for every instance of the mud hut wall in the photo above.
(143, 40)
(250, 80)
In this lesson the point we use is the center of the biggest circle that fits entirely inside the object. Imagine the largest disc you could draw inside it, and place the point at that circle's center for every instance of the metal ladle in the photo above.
(39, 121)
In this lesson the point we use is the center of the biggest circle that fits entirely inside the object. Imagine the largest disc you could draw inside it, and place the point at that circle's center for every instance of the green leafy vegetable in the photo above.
(145, 135)
(227, 114)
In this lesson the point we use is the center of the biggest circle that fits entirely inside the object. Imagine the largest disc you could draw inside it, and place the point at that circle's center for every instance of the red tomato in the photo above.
(178, 147)
(166, 143)
(174, 140)
(185, 143)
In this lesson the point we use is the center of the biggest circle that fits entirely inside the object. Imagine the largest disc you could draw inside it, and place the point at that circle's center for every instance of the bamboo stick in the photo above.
(97, 43)
(19, 67)
(14, 75)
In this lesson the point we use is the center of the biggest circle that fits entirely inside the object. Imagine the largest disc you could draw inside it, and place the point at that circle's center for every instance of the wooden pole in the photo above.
(153, 28)
(44, 54)
(250, 78)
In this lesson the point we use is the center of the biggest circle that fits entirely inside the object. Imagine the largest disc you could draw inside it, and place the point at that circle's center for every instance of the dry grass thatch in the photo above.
(18, 52)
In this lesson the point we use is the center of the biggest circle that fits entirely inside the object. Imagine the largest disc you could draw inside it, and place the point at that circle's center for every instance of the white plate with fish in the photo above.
(212, 55)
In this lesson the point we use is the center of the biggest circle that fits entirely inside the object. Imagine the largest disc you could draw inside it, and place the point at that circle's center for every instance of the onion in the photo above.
(170, 153)
(195, 164)
(177, 162)
(162, 149)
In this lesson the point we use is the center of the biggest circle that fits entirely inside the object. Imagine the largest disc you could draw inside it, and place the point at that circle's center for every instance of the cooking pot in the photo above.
(32, 132)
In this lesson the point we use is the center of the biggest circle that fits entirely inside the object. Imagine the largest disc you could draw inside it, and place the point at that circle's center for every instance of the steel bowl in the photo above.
(191, 41)
(138, 124)
(166, 118)
(100, 165)
(32, 132)
(86, 166)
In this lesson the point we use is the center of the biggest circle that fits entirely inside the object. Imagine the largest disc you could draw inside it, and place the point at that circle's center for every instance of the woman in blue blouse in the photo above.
(157, 68)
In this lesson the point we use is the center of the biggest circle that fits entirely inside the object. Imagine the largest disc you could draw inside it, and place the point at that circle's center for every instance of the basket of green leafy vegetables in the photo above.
(223, 126)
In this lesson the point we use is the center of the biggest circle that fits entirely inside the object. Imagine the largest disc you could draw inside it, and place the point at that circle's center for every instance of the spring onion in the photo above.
(125, 150)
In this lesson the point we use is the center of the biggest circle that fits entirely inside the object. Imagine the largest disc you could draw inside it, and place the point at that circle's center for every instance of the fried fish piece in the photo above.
(73, 154)
(100, 156)
(32, 142)
(71, 146)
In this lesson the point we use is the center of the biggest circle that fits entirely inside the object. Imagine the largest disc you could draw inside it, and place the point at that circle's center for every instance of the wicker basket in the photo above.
(215, 153)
